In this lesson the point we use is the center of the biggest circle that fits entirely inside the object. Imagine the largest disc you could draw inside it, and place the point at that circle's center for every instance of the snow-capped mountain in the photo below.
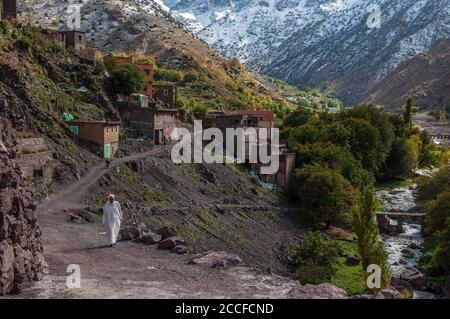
(329, 43)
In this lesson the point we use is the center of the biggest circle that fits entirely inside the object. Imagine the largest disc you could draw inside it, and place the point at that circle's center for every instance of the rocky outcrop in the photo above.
(414, 277)
(21, 251)
(322, 291)
(217, 259)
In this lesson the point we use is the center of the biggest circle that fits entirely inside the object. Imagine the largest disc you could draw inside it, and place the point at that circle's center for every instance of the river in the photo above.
(404, 249)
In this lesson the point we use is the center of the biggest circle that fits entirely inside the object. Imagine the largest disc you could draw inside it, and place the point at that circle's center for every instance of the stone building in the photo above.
(8, 9)
(36, 161)
(257, 119)
(157, 124)
(102, 137)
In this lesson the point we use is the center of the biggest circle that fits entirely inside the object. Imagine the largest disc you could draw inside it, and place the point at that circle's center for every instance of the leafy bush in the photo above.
(24, 44)
(191, 76)
(128, 79)
(167, 75)
(430, 187)
(315, 258)
(438, 212)
(441, 256)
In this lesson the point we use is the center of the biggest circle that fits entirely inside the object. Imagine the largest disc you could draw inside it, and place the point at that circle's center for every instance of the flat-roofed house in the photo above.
(157, 124)
(76, 40)
(102, 137)
(8, 9)
(164, 93)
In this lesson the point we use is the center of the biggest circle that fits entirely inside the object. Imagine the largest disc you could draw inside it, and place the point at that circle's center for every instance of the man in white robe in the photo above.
(112, 217)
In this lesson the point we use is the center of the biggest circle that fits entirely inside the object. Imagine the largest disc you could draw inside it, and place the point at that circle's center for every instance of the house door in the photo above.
(107, 151)
(158, 137)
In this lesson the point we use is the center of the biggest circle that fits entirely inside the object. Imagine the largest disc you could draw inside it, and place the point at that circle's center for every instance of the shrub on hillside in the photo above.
(127, 79)
(167, 75)
(316, 258)
(429, 187)
(438, 212)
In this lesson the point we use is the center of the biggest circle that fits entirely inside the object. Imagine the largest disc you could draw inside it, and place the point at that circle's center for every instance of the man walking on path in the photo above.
(112, 217)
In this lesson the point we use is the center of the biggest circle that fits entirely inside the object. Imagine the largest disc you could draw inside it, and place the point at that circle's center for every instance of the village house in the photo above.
(257, 119)
(75, 40)
(36, 161)
(102, 137)
(163, 93)
(8, 9)
(157, 124)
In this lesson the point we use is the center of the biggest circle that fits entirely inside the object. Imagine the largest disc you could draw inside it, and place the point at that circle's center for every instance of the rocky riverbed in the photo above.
(405, 249)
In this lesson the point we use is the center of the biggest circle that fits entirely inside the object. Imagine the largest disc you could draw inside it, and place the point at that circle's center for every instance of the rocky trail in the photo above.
(134, 270)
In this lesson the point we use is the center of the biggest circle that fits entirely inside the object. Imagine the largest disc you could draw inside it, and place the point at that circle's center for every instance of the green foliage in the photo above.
(24, 44)
(315, 258)
(407, 116)
(323, 194)
(127, 80)
(167, 75)
(430, 187)
(191, 76)
(441, 256)
(438, 212)
(370, 246)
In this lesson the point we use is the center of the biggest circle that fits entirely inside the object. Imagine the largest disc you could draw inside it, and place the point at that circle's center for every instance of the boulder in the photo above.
(129, 232)
(414, 277)
(352, 260)
(217, 259)
(171, 242)
(401, 285)
(322, 291)
(180, 250)
(389, 293)
(150, 238)
(166, 232)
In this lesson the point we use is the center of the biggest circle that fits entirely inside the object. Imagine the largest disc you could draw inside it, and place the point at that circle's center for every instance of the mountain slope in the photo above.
(319, 43)
(426, 77)
(145, 26)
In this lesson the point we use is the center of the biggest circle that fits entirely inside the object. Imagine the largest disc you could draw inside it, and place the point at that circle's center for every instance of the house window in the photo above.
(166, 92)
(107, 130)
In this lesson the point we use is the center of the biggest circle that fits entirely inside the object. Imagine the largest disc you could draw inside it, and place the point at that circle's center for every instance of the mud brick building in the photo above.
(157, 124)
(8, 9)
(101, 137)
(35, 160)
(165, 94)
(73, 39)
(257, 119)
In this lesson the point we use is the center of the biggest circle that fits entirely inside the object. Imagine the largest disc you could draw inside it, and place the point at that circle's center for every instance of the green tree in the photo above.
(441, 257)
(323, 194)
(407, 117)
(127, 80)
(430, 187)
(370, 246)
(438, 212)
(316, 258)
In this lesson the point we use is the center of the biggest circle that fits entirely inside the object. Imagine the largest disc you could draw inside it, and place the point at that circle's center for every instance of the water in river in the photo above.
(404, 249)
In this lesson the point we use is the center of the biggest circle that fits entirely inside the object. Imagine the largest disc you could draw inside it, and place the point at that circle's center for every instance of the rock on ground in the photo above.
(217, 259)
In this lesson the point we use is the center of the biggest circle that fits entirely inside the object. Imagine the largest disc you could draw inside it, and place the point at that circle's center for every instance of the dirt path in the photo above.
(130, 270)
